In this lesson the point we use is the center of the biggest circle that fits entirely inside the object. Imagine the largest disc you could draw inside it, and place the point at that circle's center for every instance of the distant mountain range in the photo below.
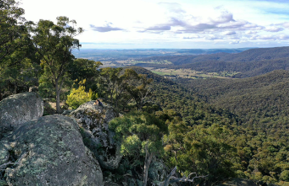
(248, 63)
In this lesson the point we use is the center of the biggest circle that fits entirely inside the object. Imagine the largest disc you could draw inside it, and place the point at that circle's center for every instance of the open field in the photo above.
(188, 73)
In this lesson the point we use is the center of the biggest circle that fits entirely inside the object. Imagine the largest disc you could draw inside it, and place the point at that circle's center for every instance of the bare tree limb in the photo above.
(172, 179)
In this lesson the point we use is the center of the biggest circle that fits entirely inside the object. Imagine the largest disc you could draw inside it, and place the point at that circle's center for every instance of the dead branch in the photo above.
(172, 179)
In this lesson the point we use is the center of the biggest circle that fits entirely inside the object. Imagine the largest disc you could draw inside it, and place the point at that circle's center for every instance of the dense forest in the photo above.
(219, 128)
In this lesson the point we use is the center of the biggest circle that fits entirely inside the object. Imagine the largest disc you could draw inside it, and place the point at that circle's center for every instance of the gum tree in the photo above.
(54, 44)
(141, 137)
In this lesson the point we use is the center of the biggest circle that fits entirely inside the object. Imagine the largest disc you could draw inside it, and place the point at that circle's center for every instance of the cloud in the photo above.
(106, 28)
(267, 37)
(219, 21)
(198, 27)
(192, 37)
(283, 37)
(225, 17)
(249, 32)
(240, 25)
(273, 37)
(286, 25)
(274, 29)
(274, 1)
(218, 26)
(229, 33)
(234, 42)
(173, 7)
(212, 37)
(160, 27)
(218, 7)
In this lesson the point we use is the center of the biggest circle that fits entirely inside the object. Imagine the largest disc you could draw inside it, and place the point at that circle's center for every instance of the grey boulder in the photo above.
(50, 151)
(93, 120)
(18, 109)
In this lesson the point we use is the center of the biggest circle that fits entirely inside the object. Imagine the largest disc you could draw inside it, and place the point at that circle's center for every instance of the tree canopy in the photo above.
(54, 44)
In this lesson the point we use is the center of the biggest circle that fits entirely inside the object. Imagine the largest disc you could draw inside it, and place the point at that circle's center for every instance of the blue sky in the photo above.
(171, 23)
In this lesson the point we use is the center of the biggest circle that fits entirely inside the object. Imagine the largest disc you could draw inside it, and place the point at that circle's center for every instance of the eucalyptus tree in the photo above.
(54, 44)
(115, 82)
(17, 62)
(141, 90)
(12, 28)
(141, 138)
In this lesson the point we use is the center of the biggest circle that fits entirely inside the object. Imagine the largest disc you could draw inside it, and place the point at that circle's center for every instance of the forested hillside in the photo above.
(252, 112)
(215, 129)
(260, 100)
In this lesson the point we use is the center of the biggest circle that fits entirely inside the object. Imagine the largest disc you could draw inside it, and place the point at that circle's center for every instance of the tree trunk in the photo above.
(1, 94)
(148, 161)
(15, 88)
(57, 98)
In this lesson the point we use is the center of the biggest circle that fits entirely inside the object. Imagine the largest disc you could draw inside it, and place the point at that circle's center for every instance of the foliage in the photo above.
(141, 136)
(201, 149)
(79, 96)
(54, 43)
(81, 69)
(123, 86)
(13, 30)
(17, 67)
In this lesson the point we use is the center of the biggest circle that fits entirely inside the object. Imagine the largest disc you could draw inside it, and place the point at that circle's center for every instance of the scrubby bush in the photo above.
(79, 96)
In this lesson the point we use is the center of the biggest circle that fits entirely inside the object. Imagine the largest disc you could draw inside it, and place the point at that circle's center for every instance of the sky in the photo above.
(187, 24)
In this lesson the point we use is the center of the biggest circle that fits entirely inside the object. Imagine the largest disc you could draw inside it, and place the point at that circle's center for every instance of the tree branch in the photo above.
(172, 179)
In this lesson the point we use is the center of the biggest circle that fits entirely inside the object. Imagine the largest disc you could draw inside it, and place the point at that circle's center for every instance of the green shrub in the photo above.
(79, 96)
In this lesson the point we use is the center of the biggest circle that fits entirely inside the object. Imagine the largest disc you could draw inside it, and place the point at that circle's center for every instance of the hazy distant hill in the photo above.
(249, 63)
(256, 54)
(124, 54)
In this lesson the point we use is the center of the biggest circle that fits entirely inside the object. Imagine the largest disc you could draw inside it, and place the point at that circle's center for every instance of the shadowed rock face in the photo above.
(18, 109)
(93, 121)
(50, 151)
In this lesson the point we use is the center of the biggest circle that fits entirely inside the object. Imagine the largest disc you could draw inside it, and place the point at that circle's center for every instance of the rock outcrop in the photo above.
(18, 109)
(93, 120)
(49, 151)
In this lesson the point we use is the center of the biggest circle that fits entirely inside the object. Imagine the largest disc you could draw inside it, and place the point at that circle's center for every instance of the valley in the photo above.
(144, 93)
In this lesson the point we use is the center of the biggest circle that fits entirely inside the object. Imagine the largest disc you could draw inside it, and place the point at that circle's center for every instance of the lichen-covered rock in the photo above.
(18, 109)
(93, 120)
(4, 154)
(50, 151)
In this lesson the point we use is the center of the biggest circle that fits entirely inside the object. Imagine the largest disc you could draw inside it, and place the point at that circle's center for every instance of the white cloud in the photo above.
(229, 33)
(274, 29)
(148, 21)
(106, 28)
